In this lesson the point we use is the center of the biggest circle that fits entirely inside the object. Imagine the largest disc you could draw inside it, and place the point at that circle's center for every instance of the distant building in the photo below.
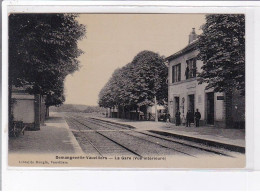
(30, 109)
(184, 92)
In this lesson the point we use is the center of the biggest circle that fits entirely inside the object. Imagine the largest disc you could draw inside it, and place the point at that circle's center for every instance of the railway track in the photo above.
(101, 124)
(111, 139)
(100, 142)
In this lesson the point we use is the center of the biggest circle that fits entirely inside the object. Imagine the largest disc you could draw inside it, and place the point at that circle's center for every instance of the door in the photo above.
(210, 108)
(177, 104)
(191, 105)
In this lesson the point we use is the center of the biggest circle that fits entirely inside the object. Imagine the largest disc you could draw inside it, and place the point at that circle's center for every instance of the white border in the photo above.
(138, 179)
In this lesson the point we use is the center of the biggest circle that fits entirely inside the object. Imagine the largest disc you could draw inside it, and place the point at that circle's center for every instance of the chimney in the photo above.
(193, 36)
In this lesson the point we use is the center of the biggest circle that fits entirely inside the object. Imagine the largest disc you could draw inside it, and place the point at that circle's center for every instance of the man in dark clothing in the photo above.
(188, 118)
(197, 116)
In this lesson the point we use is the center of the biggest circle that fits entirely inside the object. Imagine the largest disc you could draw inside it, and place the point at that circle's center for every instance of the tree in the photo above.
(137, 84)
(106, 99)
(222, 50)
(42, 52)
(116, 90)
(150, 78)
(55, 97)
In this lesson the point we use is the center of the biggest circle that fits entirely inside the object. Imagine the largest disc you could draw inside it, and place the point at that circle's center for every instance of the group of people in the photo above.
(189, 118)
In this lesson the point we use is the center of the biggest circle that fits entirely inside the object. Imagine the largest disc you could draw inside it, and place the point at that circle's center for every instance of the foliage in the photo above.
(56, 96)
(43, 51)
(137, 83)
(150, 78)
(222, 49)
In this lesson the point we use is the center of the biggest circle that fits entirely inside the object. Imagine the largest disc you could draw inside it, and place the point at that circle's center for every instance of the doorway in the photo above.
(177, 104)
(210, 108)
(191, 105)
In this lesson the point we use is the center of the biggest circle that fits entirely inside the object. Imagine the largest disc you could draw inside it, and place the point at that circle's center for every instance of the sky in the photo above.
(113, 40)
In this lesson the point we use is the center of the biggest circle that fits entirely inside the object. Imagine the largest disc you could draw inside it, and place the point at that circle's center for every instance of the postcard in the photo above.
(126, 90)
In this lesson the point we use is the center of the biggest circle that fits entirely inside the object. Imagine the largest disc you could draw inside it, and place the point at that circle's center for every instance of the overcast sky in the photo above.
(112, 41)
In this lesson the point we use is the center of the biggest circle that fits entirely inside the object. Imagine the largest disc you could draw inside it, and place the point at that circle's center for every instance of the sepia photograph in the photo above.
(126, 90)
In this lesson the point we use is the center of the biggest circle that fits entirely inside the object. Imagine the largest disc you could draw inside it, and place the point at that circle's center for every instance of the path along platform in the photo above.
(232, 137)
(53, 137)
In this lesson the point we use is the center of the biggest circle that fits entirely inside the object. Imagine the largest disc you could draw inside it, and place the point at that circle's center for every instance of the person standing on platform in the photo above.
(167, 118)
(197, 116)
(188, 118)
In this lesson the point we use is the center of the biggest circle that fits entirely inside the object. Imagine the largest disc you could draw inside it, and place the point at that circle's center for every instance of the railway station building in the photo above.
(184, 92)
(27, 108)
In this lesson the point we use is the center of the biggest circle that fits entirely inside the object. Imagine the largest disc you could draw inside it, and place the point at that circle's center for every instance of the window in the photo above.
(191, 69)
(176, 73)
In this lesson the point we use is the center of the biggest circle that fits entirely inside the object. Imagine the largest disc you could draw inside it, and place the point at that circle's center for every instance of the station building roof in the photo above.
(190, 47)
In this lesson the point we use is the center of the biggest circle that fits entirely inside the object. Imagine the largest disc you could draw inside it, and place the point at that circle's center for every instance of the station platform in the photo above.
(229, 137)
(53, 137)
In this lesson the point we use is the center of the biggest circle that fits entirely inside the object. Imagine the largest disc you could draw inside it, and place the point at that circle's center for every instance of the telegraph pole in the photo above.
(155, 106)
